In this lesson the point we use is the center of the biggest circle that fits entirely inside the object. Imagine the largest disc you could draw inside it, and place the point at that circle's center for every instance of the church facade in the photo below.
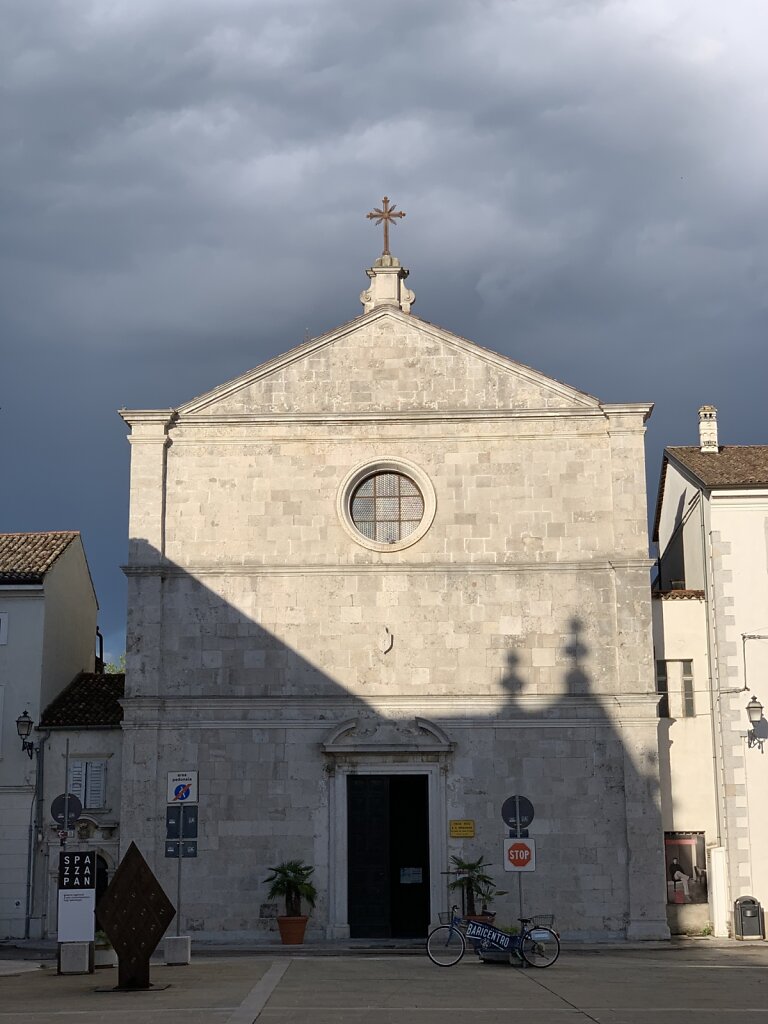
(377, 586)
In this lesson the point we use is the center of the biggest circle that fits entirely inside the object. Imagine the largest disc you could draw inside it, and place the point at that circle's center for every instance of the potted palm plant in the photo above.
(291, 881)
(476, 886)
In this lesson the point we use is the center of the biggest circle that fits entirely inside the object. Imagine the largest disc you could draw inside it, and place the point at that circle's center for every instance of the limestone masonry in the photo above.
(347, 686)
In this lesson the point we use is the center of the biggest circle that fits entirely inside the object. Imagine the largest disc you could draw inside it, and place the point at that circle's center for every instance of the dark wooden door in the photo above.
(388, 855)
(409, 855)
(368, 856)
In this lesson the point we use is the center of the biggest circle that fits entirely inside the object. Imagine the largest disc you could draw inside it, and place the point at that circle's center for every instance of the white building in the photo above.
(710, 613)
(47, 635)
(381, 583)
(82, 731)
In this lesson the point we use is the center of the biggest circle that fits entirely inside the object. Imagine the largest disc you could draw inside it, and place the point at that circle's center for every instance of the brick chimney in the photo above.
(708, 429)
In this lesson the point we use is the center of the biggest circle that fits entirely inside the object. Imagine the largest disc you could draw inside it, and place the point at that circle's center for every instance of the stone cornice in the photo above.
(349, 437)
(353, 569)
(451, 713)
(388, 703)
(643, 409)
(163, 417)
(386, 416)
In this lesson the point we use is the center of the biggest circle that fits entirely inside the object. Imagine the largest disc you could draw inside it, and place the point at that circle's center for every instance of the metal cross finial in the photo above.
(386, 216)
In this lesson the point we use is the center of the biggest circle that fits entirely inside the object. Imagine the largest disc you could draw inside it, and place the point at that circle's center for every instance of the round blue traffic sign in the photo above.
(517, 812)
(182, 791)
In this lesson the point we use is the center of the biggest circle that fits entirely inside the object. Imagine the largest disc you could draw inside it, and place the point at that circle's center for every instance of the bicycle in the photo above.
(536, 944)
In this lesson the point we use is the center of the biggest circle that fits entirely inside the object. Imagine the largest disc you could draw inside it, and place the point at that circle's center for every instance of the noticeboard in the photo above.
(77, 896)
(462, 828)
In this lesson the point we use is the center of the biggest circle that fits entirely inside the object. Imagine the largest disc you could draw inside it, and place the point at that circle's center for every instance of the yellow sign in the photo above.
(462, 828)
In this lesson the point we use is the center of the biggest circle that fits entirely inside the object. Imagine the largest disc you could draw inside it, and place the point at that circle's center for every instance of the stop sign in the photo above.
(519, 855)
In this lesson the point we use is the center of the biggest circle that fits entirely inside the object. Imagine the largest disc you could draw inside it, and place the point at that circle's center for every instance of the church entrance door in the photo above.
(388, 856)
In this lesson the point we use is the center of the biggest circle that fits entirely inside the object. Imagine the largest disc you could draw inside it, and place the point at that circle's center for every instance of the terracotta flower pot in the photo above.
(292, 930)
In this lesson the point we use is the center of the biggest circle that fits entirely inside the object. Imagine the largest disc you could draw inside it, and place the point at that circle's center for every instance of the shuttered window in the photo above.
(88, 782)
(674, 684)
(689, 706)
(662, 688)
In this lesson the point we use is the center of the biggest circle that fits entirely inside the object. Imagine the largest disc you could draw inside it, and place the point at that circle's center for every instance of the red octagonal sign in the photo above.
(519, 855)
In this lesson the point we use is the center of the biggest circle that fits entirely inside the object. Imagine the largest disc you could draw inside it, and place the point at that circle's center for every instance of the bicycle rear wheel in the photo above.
(445, 946)
(540, 947)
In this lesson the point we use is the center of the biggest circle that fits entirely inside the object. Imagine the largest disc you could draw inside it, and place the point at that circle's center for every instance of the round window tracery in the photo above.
(387, 507)
(386, 504)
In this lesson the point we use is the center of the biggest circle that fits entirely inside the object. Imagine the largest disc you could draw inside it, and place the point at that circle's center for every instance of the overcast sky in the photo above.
(185, 182)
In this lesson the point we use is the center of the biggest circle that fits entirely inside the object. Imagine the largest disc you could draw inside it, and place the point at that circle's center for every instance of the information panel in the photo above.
(77, 896)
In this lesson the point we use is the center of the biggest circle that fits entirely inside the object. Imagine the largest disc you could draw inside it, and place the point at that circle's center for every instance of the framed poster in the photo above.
(685, 855)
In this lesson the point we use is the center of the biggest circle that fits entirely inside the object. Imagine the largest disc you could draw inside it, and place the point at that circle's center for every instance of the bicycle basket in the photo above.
(542, 921)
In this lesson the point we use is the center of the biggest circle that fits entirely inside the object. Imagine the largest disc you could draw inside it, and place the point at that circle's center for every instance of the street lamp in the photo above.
(24, 726)
(755, 715)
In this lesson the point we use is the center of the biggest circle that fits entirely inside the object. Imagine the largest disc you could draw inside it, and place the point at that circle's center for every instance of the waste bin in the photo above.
(748, 918)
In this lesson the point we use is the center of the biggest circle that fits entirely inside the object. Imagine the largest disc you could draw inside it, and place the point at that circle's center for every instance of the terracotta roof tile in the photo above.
(733, 466)
(27, 557)
(678, 595)
(89, 702)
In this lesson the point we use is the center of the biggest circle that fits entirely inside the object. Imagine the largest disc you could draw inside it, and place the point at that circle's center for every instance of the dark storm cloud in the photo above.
(184, 188)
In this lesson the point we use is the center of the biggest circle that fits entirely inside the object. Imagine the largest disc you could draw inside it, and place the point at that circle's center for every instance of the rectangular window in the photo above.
(674, 684)
(3, 627)
(662, 688)
(88, 782)
(689, 709)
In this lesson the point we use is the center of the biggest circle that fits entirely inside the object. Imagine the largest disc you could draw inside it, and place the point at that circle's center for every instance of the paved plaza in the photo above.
(693, 984)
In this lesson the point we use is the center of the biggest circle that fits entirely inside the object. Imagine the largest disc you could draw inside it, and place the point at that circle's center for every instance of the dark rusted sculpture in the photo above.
(134, 912)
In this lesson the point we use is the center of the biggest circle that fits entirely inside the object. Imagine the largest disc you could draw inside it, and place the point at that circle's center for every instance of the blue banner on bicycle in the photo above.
(487, 933)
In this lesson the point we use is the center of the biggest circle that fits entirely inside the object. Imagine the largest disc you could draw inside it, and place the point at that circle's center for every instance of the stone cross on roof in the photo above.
(386, 216)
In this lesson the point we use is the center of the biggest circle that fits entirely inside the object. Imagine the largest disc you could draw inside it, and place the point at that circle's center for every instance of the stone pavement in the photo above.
(693, 984)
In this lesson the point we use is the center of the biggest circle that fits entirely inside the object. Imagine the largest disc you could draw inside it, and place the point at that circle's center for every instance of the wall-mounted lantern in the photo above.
(755, 715)
(24, 725)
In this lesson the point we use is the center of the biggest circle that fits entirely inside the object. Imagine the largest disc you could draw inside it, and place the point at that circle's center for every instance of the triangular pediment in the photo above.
(387, 362)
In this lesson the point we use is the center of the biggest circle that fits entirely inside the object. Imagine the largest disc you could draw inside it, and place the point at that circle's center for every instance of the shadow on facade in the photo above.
(276, 736)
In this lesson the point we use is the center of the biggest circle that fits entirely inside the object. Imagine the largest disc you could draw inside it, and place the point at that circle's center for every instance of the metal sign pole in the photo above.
(66, 795)
(178, 871)
(519, 873)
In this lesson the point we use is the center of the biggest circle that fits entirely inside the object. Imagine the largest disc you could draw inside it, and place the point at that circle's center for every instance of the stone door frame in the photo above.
(338, 863)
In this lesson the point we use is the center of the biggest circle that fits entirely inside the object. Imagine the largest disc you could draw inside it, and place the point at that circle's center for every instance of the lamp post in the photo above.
(24, 727)
(754, 708)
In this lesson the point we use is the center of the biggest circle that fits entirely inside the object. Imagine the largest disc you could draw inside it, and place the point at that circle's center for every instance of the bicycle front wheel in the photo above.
(445, 946)
(540, 947)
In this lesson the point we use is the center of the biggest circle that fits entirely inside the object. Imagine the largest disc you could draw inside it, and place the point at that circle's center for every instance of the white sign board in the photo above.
(519, 855)
(182, 787)
(76, 920)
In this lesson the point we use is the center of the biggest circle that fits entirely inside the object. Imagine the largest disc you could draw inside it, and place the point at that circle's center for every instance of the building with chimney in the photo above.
(710, 620)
